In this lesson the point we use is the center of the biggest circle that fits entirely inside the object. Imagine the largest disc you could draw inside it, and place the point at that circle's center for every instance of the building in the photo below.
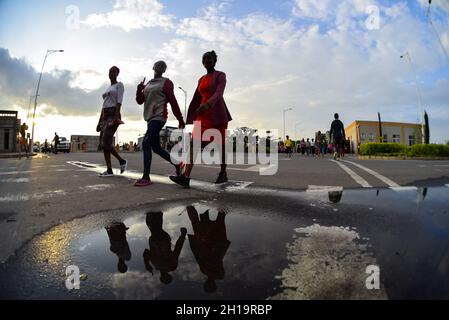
(360, 132)
(81, 143)
(9, 131)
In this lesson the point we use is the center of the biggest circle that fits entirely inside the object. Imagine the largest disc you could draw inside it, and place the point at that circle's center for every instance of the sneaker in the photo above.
(106, 174)
(181, 180)
(143, 183)
(335, 155)
(222, 178)
(123, 166)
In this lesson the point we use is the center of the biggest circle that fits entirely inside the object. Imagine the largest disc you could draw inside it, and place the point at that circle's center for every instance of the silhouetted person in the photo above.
(119, 244)
(56, 141)
(45, 146)
(209, 244)
(337, 133)
(160, 254)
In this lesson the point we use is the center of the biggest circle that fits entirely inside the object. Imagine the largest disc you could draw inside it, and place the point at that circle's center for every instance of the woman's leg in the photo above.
(189, 166)
(107, 158)
(147, 155)
(155, 140)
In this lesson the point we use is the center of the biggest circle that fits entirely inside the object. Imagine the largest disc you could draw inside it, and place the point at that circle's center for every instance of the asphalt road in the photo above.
(49, 191)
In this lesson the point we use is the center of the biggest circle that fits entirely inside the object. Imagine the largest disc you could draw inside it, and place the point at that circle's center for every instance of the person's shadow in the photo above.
(209, 244)
(119, 245)
(160, 253)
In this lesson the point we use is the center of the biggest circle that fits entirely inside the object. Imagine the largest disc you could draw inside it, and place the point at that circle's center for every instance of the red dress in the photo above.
(205, 88)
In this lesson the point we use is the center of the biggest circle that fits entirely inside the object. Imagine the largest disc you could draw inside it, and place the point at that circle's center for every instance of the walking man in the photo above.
(337, 133)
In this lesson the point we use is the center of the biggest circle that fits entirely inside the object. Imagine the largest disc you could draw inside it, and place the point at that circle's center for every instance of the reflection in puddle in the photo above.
(313, 245)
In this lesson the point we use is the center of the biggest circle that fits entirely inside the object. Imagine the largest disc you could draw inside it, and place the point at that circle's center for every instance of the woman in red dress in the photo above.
(208, 108)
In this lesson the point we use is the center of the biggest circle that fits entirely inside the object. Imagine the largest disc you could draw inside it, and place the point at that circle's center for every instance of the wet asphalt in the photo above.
(314, 244)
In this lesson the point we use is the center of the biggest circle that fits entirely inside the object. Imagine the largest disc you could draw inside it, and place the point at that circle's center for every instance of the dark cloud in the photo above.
(18, 82)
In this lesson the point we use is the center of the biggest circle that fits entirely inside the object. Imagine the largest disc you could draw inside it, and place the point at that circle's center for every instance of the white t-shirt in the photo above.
(113, 95)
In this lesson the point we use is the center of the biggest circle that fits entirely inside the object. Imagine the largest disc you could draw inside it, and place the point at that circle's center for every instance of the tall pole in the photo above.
(283, 114)
(49, 52)
(185, 103)
(429, 17)
(418, 91)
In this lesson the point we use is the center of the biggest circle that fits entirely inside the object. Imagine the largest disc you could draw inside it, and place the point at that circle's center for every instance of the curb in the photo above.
(400, 158)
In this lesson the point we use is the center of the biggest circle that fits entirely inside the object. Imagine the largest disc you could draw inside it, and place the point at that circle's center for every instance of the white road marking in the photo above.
(16, 180)
(15, 172)
(404, 188)
(203, 185)
(384, 179)
(313, 188)
(354, 175)
(35, 196)
(447, 185)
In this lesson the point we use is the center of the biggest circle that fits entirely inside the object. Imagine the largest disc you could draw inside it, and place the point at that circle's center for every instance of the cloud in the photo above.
(273, 64)
(57, 93)
(132, 14)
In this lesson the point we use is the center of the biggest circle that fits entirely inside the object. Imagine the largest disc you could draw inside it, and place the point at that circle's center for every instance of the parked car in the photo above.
(63, 146)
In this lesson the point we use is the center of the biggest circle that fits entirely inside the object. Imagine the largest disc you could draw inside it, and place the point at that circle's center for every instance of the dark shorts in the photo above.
(288, 150)
(107, 133)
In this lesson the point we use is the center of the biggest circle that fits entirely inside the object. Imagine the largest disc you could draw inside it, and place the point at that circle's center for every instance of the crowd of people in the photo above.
(320, 145)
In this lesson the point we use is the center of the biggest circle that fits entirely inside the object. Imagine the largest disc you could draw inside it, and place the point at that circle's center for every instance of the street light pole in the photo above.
(185, 102)
(418, 91)
(429, 17)
(49, 52)
(283, 114)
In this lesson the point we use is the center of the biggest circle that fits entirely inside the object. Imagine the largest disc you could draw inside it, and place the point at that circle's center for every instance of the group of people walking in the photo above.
(207, 109)
(319, 146)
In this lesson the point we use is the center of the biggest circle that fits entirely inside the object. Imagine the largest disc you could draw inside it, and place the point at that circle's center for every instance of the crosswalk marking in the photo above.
(384, 179)
(358, 179)
(232, 185)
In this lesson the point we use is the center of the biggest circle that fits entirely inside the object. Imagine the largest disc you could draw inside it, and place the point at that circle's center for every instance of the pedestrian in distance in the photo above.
(55, 143)
(288, 146)
(208, 109)
(110, 119)
(155, 96)
(337, 133)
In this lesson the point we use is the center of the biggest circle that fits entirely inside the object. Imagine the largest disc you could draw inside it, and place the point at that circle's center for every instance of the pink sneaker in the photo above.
(142, 183)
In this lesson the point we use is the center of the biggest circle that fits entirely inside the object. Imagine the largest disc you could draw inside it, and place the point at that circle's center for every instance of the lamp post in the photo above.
(49, 52)
(429, 17)
(283, 114)
(185, 102)
(418, 90)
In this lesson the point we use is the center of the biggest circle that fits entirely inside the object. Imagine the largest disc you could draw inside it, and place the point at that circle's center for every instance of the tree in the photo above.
(426, 129)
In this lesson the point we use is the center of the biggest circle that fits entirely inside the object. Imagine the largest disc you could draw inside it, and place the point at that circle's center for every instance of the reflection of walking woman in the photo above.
(110, 120)
(208, 108)
(209, 244)
(161, 254)
(156, 94)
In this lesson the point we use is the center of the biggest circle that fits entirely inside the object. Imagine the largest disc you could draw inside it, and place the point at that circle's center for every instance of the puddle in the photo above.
(309, 245)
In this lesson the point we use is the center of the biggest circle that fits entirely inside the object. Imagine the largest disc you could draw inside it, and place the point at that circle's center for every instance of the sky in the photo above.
(316, 57)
